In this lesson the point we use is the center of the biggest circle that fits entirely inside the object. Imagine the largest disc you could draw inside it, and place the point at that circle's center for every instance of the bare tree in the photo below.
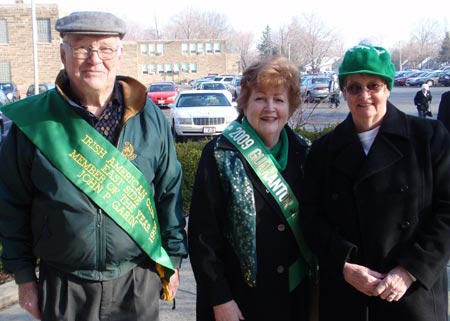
(424, 42)
(190, 23)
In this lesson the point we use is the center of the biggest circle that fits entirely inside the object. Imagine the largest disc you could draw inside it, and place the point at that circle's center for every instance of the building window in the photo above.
(152, 49)
(159, 49)
(176, 68)
(169, 69)
(200, 48)
(160, 68)
(145, 69)
(152, 69)
(5, 71)
(144, 49)
(209, 48)
(3, 31)
(192, 48)
(185, 68)
(44, 31)
(193, 68)
(184, 48)
(216, 47)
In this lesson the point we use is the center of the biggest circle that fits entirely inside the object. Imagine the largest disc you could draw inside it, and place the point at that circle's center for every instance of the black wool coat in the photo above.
(389, 208)
(444, 110)
(422, 101)
(215, 265)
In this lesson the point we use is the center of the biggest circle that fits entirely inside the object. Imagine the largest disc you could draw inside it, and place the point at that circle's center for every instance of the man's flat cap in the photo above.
(91, 23)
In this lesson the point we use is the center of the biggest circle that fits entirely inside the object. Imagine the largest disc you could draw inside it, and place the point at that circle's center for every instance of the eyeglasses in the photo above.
(372, 88)
(104, 53)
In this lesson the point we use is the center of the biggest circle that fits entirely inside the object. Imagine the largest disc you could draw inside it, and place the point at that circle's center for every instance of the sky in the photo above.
(383, 22)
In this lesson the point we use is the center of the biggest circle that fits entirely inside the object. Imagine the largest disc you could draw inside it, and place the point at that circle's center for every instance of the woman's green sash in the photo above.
(95, 166)
(272, 179)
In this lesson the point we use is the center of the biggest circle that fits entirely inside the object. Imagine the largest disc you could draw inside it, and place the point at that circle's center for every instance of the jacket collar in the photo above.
(389, 146)
(134, 93)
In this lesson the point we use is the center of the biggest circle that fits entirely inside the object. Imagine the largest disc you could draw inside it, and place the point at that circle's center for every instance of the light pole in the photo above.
(35, 54)
(289, 51)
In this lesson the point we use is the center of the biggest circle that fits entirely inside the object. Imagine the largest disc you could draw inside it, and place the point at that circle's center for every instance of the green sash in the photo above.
(272, 179)
(95, 166)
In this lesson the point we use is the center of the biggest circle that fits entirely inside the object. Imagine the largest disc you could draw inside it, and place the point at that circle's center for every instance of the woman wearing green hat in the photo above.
(376, 203)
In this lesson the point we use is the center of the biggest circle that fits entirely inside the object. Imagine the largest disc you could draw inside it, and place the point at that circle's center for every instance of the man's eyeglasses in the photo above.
(104, 53)
(372, 88)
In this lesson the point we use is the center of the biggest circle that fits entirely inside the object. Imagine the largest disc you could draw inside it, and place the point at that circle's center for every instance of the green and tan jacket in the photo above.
(43, 215)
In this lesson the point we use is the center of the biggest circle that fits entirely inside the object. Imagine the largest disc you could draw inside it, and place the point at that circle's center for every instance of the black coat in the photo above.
(389, 208)
(422, 101)
(444, 110)
(215, 265)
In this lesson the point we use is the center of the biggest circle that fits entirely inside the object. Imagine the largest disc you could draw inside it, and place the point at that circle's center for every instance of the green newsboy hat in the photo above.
(91, 23)
(366, 59)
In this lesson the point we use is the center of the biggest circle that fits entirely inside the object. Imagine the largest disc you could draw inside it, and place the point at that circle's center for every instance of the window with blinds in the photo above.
(3, 31)
(44, 31)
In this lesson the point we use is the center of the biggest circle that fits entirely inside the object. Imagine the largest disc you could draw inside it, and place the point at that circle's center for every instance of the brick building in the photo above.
(145, 60)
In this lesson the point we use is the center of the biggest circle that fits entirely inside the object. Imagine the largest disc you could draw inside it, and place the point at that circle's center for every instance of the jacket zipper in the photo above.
(100, 243)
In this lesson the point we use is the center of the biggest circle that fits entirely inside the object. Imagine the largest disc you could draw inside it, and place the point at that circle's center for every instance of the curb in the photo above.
(9, 294)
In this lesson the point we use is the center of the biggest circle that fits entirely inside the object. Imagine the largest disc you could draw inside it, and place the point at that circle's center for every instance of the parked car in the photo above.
(314, 88)
(200, 113)
(162, 93)
(43, 87)
(10, 88)
(444, 78)
(415, 81)
(235, 87)
(198, 82)
(5, 122)
(215, 85)
(431, 79)
(4, 98)
(401, 80)
(226, 79)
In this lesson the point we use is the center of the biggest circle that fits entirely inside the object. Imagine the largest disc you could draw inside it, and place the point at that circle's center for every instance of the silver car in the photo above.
(314, 88)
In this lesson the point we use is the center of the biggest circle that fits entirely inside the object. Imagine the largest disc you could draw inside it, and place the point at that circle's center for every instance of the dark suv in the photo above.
(10, 87)
(43, 87)
(444, 78)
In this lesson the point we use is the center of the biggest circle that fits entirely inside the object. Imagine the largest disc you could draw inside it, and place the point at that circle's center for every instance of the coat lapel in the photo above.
(349, 154)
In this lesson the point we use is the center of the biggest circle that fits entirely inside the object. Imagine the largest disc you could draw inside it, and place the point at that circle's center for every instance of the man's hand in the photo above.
(394, 285)
(174, 283)
(362, 278)
(228, 311)
(28, 298)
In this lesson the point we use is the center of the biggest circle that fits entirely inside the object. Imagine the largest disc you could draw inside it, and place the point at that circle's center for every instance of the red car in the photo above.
(162, 93)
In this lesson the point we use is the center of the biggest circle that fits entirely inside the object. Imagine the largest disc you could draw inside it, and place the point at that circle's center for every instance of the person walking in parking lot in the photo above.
(247, 254)
(335, 92)
(376, 203)
(90, 185)
(422, 100)
(444, 110)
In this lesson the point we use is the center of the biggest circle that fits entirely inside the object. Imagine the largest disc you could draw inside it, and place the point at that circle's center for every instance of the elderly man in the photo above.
(90, 188)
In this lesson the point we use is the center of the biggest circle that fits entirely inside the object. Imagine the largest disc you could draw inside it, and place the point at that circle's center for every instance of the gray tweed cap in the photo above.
(91, 23)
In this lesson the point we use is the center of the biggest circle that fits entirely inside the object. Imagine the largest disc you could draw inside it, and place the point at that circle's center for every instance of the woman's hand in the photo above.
(228, 311)
(362, 278)
(394, 285)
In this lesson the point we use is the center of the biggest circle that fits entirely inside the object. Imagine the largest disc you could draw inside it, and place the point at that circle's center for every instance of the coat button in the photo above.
(405, 225)
(281, 227)
(280, 269)
(404, 188)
